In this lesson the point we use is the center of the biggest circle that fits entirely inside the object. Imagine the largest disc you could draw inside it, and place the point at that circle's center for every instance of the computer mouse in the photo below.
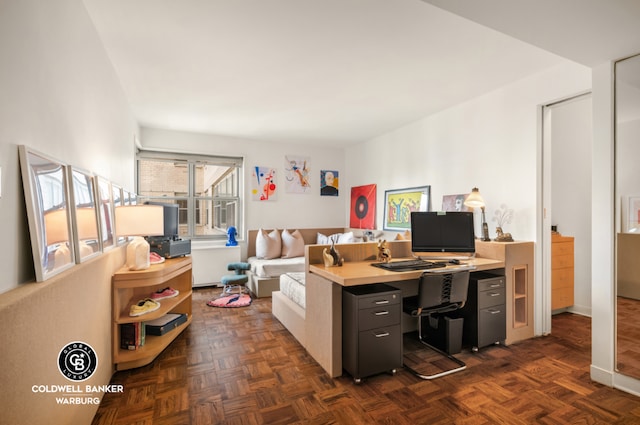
(454, 261)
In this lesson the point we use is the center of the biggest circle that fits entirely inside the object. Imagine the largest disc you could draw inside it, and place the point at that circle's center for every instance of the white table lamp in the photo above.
(138, 221)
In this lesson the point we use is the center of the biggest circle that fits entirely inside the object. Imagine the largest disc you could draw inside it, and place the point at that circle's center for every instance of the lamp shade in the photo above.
(139, 220)
(474, 200)
(87, 224)
(56, 228)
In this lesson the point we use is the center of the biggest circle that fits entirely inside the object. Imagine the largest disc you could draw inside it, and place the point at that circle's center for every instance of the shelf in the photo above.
(153, 346)
(131, 286)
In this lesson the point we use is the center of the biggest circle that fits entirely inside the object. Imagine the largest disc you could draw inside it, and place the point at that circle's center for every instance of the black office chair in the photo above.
(438, 293)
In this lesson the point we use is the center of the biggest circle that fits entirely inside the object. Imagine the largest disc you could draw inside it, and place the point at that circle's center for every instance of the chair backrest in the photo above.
(436, 289)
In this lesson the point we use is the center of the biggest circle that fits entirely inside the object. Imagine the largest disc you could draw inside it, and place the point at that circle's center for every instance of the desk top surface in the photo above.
(363, 273)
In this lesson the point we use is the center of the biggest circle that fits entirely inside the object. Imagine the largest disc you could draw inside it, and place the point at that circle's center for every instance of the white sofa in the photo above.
(264, 276)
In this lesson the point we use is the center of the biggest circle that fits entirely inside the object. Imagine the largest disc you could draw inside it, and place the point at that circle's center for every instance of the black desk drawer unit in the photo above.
(371, 330)
(485, 312)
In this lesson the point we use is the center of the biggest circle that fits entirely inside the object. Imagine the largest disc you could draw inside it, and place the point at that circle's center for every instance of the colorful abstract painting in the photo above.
(297, 171)
(263, 184)
(400, 203)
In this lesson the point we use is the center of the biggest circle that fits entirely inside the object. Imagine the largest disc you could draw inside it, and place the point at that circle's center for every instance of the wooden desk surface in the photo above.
(363, 273)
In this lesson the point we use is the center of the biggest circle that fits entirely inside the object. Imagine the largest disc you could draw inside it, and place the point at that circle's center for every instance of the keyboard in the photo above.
(408, 265)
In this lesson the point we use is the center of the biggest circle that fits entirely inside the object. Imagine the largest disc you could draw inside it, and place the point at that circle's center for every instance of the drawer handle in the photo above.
(382, 335)
(382, 302)
(381, 313)
(495, 285)
(495, 311)
(495, 294)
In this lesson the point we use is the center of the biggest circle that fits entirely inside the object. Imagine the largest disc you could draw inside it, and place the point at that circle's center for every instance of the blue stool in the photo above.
(238, 281)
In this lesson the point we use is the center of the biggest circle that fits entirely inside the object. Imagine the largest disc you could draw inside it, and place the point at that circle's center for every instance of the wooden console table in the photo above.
(131, 286)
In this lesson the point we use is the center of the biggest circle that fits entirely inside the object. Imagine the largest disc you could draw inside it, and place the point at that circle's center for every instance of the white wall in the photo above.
(60, 96)
(489, 142)
(289, 210)
(571, 147)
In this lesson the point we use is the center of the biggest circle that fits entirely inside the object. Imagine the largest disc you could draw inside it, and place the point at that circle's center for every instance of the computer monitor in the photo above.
(171, 219)
(443, 232)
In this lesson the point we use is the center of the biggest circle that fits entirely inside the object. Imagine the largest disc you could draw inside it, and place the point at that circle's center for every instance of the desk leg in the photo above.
(323, 323)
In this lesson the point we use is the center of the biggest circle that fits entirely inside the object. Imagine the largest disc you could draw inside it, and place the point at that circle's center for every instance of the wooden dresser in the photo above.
(562, 272)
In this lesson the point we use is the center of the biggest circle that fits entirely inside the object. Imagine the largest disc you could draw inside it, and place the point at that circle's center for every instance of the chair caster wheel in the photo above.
(394, 371)
(474, 349)
(357, 380)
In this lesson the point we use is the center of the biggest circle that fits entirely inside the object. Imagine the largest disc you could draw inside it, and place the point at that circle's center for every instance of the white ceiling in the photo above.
(335, 72)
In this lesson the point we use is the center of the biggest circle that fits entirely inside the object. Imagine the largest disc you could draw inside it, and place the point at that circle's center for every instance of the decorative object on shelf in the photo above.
(474, 200)
(455, 202)
(331, 256)
(503, 216)
(231, 236)
(384, 253)
(399, 203)
(138, 221)
(143, 307)
(167, 292)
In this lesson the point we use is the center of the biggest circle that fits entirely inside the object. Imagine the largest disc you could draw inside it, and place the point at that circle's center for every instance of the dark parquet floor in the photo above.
(241, 366)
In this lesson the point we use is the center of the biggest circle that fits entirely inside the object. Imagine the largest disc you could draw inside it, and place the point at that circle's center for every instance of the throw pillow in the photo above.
(268, 245)
(292, 244)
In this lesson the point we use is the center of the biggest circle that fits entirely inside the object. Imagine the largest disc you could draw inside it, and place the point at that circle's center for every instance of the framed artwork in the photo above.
(263, 184)
(297, 172)
(329, 183)
(455, 202)
(363, 207)
(400, 203)
(46, 190)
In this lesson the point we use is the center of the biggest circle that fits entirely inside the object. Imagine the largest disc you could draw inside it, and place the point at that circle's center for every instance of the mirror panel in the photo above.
(84, 211)
(627, 183)
(45, 183)
(105, 212)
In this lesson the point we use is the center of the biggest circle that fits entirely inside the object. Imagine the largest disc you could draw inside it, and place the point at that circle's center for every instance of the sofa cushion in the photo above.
(336, 238)
(292, 244)
(268, 245)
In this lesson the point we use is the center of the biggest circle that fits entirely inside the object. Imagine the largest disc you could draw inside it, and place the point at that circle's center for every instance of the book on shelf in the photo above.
(132, 335)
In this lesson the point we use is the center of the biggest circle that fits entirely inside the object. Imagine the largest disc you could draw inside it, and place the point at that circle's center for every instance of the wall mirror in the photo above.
(84, 213)
(117, 202)
(105, 212)
(46, 190)
(627, 208)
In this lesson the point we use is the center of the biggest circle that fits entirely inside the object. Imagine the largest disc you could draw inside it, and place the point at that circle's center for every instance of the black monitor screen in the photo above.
(442, 232)
(171, 218)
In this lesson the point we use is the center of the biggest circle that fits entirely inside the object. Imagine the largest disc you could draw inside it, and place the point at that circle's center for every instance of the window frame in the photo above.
(193, 161)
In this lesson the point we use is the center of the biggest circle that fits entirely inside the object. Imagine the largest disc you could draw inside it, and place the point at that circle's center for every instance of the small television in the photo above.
(171, 220)
(442, 232)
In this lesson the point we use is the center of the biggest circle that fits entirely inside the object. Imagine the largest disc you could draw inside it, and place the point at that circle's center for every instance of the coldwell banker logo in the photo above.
(77, 361)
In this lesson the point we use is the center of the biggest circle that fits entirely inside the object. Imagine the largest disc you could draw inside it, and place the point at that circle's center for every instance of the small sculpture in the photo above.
(231, 234)
(384, 253)
(503, 216)
(503, 237)
(331, 256)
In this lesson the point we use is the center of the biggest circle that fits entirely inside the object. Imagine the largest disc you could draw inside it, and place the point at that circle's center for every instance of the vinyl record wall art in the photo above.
(363, 207)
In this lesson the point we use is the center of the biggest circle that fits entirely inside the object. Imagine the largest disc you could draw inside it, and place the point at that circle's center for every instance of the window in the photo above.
(206, 189)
